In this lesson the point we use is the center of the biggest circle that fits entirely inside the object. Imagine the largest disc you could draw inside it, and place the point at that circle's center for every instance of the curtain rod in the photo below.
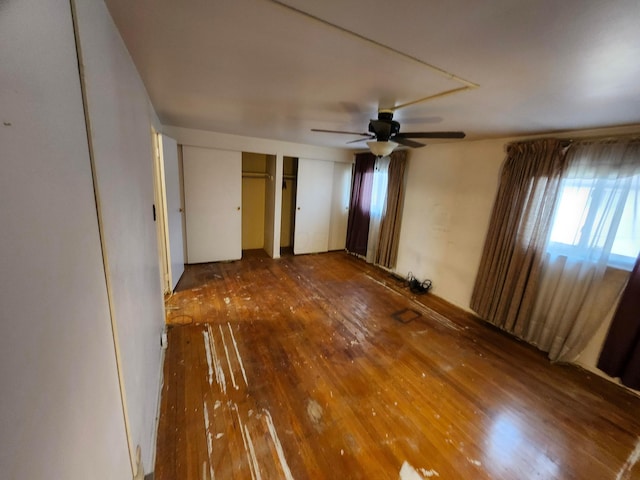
(616, 138)
(565, 142)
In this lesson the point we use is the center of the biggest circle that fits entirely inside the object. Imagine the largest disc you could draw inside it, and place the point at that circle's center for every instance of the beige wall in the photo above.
(253, 210)
(451, 189)
(450, 192)
(254, 162)
(253, 200)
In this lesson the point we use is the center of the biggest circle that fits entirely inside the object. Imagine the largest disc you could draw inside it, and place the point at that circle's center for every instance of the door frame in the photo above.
(160, 209)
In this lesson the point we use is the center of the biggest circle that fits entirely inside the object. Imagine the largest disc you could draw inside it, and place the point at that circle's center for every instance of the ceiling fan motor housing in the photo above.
(385, 127)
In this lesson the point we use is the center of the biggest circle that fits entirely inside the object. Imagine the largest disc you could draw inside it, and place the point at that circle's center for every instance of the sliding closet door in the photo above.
(213, 196)
(340, 205)
(313, 206)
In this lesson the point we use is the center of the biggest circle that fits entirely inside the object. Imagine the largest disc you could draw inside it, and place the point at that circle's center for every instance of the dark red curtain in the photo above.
(359, 207)
(620, 355)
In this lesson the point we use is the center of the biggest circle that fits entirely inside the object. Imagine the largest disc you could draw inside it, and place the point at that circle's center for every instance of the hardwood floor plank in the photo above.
(321, 366)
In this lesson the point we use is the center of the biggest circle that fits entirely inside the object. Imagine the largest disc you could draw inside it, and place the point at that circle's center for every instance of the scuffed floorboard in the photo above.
(297, 369)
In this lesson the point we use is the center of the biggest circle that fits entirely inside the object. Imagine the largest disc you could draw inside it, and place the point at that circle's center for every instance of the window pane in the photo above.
(571, 212)
(593, 215)
(627, 242)
(603, 224)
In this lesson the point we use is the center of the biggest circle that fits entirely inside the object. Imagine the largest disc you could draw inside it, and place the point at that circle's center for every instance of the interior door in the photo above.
(213, 199)
(173, 204)
(340, 205)
(313, 206)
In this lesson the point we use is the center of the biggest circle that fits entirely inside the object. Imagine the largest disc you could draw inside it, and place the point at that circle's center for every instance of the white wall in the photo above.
(60, 410)
(203, 138)
(121, 135)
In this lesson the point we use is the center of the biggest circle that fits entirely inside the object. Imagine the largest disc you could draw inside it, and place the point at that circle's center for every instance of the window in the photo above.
(379, 189)
(598, 219)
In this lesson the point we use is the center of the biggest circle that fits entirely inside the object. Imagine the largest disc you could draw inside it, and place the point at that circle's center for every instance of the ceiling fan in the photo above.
(385, 135)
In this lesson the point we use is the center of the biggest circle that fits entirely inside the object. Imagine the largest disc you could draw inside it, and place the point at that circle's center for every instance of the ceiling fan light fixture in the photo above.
(382, 149)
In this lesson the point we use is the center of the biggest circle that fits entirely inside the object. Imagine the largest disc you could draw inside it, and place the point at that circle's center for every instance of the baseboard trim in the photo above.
(154, 440)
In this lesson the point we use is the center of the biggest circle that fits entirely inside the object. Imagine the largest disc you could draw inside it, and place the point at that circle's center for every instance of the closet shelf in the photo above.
(255, 175)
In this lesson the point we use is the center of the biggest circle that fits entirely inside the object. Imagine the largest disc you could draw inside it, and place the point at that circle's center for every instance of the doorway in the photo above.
(168, 210)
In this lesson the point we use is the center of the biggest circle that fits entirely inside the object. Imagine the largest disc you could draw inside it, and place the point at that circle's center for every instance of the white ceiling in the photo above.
(262, 69)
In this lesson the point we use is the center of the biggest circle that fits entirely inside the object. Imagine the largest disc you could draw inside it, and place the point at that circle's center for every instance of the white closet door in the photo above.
(313, 206)
(175, 247)
(340, 205)
(213, 196)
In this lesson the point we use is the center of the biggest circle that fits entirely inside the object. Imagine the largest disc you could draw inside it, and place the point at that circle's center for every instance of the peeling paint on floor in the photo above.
(254, 468)
(407, 472)
(226, 354)
(278, 445)
(235, 346)
(314, 410)
(220, 378)
(429, 473)
(207, 349)
(632, 460)
(207, 430)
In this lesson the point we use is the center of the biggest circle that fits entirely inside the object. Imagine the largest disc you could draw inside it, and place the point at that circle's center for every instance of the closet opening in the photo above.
(258, 172)
(288, 212)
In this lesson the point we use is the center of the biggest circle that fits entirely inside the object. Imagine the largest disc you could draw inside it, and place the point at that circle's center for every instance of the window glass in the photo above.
(598, 218)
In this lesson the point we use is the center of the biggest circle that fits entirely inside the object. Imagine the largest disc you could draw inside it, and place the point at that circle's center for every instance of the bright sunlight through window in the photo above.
(595, 220)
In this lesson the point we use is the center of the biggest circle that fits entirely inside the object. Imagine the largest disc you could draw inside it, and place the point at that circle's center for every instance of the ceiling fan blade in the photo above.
(468, 86)
(339, 131)
(371, 137)
(406, 142)
(430, 135)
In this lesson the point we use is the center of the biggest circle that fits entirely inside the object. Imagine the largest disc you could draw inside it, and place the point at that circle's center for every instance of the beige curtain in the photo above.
(574, 299)
(387, 252)
(579, 288)
(506, 284)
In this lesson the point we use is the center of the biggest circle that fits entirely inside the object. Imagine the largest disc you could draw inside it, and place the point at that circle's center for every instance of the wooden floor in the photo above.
(321, 367)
